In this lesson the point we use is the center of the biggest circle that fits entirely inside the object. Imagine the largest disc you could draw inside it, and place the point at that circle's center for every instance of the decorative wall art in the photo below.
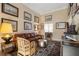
(48, 18)
(27, 16)
(61, 25)
(36, 19)
(10, 9)
(36, 27)
(27, 26)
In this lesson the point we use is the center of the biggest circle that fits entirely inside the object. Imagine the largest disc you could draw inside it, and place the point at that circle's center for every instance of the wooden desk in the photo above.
(71, 43)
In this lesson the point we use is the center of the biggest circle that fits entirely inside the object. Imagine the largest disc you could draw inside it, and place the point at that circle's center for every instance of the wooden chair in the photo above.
(23, 47)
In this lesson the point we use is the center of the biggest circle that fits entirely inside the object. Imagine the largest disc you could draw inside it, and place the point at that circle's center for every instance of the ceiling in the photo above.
(43, 8)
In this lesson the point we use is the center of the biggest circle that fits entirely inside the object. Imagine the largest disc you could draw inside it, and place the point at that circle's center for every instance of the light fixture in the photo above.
(6, 31)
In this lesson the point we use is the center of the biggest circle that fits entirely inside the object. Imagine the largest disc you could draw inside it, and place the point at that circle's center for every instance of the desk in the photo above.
(70, 42)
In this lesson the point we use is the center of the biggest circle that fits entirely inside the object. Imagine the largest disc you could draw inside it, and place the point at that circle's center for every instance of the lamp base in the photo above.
(7, 40)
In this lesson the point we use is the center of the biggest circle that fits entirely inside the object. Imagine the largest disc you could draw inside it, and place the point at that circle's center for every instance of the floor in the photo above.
(52, 49)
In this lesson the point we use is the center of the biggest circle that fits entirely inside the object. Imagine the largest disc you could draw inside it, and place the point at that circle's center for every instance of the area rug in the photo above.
(52, 49)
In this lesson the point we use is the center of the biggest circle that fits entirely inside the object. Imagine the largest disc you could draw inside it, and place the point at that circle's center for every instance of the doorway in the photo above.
(48, 28)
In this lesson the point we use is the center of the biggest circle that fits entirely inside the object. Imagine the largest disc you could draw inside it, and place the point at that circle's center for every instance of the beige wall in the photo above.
(57, 16)
(20, 19)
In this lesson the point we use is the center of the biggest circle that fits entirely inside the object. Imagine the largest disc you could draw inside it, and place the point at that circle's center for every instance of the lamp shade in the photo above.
(6, 28)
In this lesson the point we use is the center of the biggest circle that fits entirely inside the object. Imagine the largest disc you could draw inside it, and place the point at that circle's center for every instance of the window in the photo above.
(48, 27)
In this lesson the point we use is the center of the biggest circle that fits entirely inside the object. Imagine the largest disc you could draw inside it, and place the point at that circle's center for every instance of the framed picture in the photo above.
(61, 25)
(10, 9)
(27, 26)
(36, 19)
(27, 16)
(36, 27)
(14, 23)
(48, 18)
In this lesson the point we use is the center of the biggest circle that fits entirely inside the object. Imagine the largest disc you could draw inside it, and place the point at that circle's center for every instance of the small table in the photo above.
(8, 49)
(1, 41)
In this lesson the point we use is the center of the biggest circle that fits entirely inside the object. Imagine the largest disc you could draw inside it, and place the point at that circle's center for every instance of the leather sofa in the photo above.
(29, 36)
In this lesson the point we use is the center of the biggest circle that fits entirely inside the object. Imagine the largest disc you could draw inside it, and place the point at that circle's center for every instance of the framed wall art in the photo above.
(10, 9)
(27, 16)
(36, 19)
(27, 26)
(61, 25)
(48, 18)
(36, 27)
(13, 22)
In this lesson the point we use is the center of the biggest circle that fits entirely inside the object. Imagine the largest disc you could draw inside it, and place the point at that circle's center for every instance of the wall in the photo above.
(57, 16)
(20, 19)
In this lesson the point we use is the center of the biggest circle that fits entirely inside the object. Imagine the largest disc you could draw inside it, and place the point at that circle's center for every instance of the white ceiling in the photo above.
(43, 8)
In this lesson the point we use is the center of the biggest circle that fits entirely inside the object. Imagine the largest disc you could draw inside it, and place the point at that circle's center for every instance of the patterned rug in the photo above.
(52, 49)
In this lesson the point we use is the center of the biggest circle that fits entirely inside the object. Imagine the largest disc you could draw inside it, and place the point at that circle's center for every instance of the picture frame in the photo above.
(13, 22)
(10, 9)
(36, 19)
(61, 25)
(27, 16)
(36, 27)
(27, 26)
(48, 18)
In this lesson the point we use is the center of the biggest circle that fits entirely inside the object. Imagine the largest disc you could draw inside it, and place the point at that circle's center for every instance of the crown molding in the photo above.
(51, 11)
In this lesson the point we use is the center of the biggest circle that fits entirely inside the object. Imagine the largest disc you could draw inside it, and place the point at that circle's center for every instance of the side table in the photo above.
(8, 49)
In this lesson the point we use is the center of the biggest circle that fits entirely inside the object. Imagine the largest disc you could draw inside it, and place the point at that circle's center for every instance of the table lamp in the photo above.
(6, 31)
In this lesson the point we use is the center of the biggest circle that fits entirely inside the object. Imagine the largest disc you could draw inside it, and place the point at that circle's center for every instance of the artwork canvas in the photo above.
(36, 19)
(27, 26)
(61, 25)
(48, 18)
(27, 16)
(10, 9)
